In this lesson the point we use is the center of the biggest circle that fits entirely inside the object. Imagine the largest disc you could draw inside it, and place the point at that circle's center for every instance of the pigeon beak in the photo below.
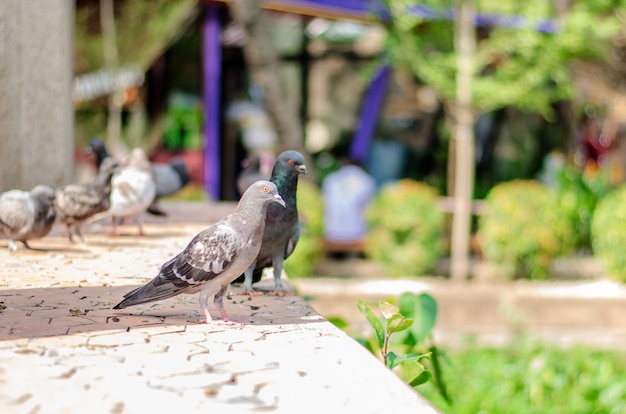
(279, 200)
(302, 169)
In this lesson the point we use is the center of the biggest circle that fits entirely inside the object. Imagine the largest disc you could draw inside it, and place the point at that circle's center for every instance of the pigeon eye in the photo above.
(266, 189)
(290, 161)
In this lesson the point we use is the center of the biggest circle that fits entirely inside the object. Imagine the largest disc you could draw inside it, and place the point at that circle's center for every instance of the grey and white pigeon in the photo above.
(75, 203)
(170, 177)
(215, 256)
(282, 225)
(26, 215)
(132, 190)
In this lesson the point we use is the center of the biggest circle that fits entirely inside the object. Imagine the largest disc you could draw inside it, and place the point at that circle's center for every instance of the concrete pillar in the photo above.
(36, 110)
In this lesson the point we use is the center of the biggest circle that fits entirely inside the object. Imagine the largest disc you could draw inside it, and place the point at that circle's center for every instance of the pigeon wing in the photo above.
(15, 212)
(207, 257)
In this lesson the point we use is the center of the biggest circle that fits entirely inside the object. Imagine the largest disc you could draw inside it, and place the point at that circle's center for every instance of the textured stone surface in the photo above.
(64, 350)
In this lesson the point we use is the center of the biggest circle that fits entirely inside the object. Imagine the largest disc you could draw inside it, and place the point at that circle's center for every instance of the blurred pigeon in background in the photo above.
(282, 225)
(170, 177)
(132, 190)
(215, 256)
(250, 173)
(75, 203)
(26, 215)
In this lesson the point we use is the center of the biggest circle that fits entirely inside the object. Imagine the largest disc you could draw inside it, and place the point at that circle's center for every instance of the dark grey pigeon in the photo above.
(26, 215)
(215, 256)
(282, 225)
(170, 179)
(75, 203)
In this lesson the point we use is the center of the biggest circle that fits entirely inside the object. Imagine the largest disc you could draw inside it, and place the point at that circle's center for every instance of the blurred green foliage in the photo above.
(608, 230)
(533, 378)
(523, 229)
(578, 195)
(515, 66)
(406, 228)
(309, 249)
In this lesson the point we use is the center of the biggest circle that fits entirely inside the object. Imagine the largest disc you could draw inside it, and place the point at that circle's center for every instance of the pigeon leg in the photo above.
(79, 233)
(279, 290)
(12, 245)
(140, 225)
(247, 283)
(204, 304)
(114, 227)
(218, 300)
(69, 232)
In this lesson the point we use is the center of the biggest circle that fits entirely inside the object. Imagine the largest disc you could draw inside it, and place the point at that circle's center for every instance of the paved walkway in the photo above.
(64, 350)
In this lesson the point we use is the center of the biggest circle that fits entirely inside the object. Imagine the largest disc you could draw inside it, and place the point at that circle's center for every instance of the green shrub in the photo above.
(578, 196)
(523, 229)
(532, 377)
(310, 247)
(405, 228)
(608, 231)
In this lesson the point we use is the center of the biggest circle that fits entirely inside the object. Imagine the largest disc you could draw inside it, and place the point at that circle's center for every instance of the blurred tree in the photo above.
(520, 58)
(262, 60)
(143, 30)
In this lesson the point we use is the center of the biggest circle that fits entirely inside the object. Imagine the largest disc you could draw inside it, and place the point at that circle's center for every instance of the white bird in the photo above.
(26, 215)
(215, 256)
(132, 190)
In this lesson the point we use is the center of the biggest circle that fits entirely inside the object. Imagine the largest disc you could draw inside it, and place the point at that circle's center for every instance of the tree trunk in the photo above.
(264, 65)
(109, 42)
(465, 43)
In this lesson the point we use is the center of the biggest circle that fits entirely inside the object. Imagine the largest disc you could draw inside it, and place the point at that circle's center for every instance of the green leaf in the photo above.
(414, 373)
(394, 360)
(398, 323)
(387, 309)
(338, 322)
(374, 322)
(423, 309)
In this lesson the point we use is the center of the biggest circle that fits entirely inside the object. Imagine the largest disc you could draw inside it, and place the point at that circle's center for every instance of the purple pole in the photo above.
(372, 102)
(211, 76)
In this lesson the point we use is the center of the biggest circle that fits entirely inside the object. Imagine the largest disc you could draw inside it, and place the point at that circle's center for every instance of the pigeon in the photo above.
(250, 173)
(215, 256)
(170, 177)
(26, 215)
(282, 226)
(75, 203)
(132, 190)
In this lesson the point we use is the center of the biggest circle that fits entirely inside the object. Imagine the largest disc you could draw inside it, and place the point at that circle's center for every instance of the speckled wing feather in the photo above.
(205, 258)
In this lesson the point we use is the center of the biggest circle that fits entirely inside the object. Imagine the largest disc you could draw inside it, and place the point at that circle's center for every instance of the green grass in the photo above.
(533, 378)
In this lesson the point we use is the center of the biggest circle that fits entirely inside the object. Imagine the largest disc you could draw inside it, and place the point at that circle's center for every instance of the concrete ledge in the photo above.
(64, 350)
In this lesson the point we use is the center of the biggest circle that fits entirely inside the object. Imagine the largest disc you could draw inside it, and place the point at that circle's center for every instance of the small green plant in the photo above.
(608, 231)
(411, 322)
(310, 247)
(524, 229)
(406, 228)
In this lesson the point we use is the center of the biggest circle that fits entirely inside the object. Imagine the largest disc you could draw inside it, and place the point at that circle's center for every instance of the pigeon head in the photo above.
(291, 162)
(139, 159)
(43, 193)
(97, 148)
(262, 191)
